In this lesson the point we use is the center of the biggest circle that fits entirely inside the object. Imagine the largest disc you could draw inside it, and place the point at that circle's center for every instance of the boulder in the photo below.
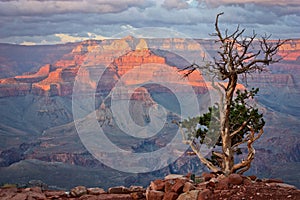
(235, 179)
(207, 176)
(188, 187)
(36, 195)
(36, 189)
(118, 190)
(78, 191)
(8, 193)
(205, 194)
(19, 196)
(212, 182)
(168, 185)
(202, 186)
(154, 195)
(247, 181)
(95, 191)
(170, 196)
(175, 176)
(223, 184)
(134, 188)
(191, 195)
(178, 186)
(158, 185)
(137, 195)
(55, 194)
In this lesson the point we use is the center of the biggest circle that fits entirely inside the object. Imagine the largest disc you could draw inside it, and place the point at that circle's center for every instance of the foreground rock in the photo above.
(172, 187)
(209, 186)
(79, 192)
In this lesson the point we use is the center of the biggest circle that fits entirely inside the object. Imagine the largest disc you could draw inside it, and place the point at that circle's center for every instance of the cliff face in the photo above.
(290, 51)
(18, 59)
(118, 56)
(122, 55)
(41, 74)
(10, 87)
(127, 62)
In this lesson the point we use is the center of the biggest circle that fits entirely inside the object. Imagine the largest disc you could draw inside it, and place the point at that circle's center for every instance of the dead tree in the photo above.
(237, 56)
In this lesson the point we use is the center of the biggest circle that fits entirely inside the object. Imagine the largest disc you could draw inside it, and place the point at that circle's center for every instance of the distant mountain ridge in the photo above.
(18, 59)
(58, 75)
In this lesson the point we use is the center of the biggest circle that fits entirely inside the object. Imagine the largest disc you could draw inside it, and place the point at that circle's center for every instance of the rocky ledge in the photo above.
(79, 192)
(212, 187)
(173, 187)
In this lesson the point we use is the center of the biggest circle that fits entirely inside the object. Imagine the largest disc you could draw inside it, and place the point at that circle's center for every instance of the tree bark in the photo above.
(228, 161)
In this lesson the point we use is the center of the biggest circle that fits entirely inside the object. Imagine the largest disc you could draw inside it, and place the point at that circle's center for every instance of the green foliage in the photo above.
(211, 121)
(241, 111)
(209, 131)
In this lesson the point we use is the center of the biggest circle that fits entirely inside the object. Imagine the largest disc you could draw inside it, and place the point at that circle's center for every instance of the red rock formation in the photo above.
(54, 77)
(41, 74)
(120, 56)
(290, 50)
(136, 58)
(143, 65)
(65, 63)
(78, 54)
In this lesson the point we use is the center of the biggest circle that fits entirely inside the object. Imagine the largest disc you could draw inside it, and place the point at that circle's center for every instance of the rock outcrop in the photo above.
(122, 55)
(41, 74)
(172, 187)
(78, 192)
(290, 51)
(211, 187)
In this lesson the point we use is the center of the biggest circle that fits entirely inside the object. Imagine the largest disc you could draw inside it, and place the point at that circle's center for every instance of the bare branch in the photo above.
(244, 124)
(269, 50)
(196, 150)
(189, 69)
(217, 27)
(222, 86)
(244, 165)
(206, 162)
(220, 155)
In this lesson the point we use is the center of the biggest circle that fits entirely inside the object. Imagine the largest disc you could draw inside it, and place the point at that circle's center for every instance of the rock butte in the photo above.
(122, 55)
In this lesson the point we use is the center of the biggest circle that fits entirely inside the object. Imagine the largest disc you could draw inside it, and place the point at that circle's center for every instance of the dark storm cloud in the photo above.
(252, 10)
(34, 7)
(35, 19)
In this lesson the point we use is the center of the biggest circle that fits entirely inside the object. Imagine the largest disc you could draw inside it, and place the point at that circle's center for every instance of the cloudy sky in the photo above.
(60, 21)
